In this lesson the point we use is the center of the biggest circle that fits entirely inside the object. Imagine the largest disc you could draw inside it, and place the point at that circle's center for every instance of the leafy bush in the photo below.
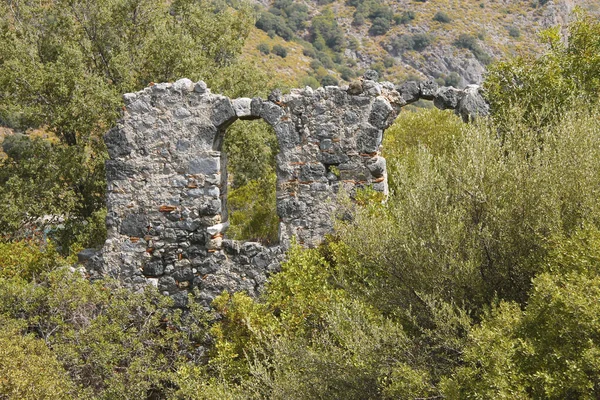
(29, 369)
(442, 17)
(380, 26)
(405, 17)
(264, 48)
(252, 211)
(269, 22)
(280, 51)
(328, 80)
(466, 41)
(514, 32)
(417, 41)
(550, 349)
(111, 342)
(325, 26)
(566, 74)
(53, 187)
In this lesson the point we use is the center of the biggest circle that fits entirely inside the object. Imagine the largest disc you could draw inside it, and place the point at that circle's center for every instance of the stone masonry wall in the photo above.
(167, 177)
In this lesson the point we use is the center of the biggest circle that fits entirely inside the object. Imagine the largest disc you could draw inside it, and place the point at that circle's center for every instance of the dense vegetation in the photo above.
(478, 278)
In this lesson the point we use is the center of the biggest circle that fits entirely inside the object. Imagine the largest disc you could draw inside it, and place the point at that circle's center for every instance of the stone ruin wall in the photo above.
(167, 176)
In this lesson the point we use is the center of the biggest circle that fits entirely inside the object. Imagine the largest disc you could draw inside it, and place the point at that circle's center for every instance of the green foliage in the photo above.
(405, 18)
(550, 349)
(328, 80)
(264, 48)
(514, 32)
(380, 26)
(65, 64)
(442, 17)
(27, 259)
(565, 76)
(450, 227)
(28, 369)
(113, 343)
(467, 41)
(417, 41)
(325, 27)
(280, 50)
(252, 211)
(63, 183)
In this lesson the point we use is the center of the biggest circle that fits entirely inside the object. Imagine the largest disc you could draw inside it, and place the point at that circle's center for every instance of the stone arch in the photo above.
(166, 178)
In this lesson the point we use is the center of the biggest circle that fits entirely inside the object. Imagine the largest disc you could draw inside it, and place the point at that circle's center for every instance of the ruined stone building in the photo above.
(167, 176)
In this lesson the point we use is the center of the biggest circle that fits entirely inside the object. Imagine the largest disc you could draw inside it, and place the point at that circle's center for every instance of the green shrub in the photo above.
(466, 41)
(442, 17)
(252, 211)
(566, 74)
(264, 48)
(514, 32)
(328, 80)
(111, 342)
(280, 51)
(29, 369)
(550, 349)
(380, 26)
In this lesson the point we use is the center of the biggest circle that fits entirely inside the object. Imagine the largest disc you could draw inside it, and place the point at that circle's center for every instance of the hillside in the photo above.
(448, 40)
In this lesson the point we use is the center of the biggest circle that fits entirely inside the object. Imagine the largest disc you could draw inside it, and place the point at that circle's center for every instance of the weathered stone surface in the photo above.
(428, 89)
(167, 178)
(410, 91)
(472, 104)
(447, 98)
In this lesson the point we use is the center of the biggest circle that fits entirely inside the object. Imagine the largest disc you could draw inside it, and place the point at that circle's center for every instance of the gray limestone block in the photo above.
(381, 111)
(428, 89)
(242, 107)
(287, 136)
(371, 75)
(119, 170)
(275, 96)
(447, 98)
(371, 88)
(256, 106)
(212, 207)
(369, 139)
(184, 274)
(271, 113)
(167, 284)
(312, 172)
(180, 299)
(261, 260)
(134, 225)
(377, 166)
(290, 208)
(153, 268)
(334, 158)
(410, 91)
(472, 104)
(222, 112)
(200, 87)
(117, 143)
(183, 85)
(206, 165)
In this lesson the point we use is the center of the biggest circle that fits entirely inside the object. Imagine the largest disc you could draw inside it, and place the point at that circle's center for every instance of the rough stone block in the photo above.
(206, 165)
(447, 98)
(242, 107)
(410, 91)
(428, 89)
(222, 113)
(381, 111)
